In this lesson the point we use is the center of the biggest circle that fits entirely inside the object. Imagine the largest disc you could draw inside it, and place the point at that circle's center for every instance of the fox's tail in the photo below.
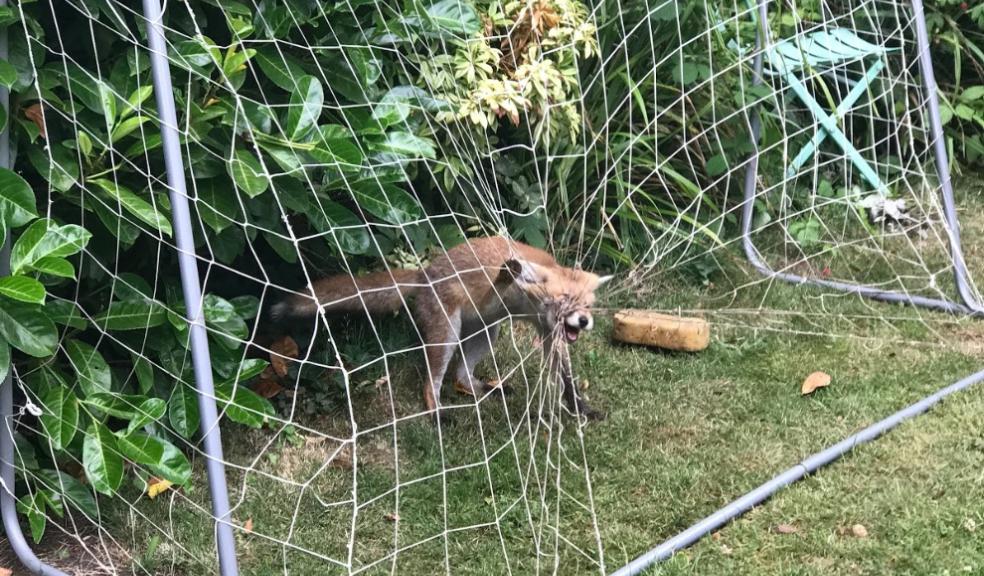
(375, 293)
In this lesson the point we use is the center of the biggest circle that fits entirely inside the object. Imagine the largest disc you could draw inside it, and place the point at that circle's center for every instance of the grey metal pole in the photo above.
(8, 499)
(181, 216)
(942, 162)
(804, 468)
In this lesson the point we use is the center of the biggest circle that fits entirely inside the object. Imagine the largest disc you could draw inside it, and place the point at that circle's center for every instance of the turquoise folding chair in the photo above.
(816, 53)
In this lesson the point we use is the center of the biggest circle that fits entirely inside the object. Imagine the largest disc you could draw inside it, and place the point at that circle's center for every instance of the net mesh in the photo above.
(344, 138)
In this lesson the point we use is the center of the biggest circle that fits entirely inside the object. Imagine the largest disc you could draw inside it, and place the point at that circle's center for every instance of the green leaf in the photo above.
(4, 361)
(247, 173)
(972, 94)
(946, 113)
(221, 315)
(249, 369)
(44, 238)
(242, 405)
(345, 227)
(280, 67)
(246, 306)
(685, 72)
(964, 112)
(161, 457)
(336, 145)
(85, 144)
(141, 448)
(717, 165)
(8, 16)
(122, 406)
(387, 202)
(23, 288)
(33, 506)
(132, 315)
(306, 102)
(8, 74)
(234, 66)
(406, 144)
(399, 101)
(17, 204)
(65, 312)
(61, 170)
(196, 54)
(353, 75)
(217, 203)
(144, 372)
(136, 205)
(93, 371)
(101, 459)
(127, 126)
(136, 100)
(129, 286)
(150, 410)
(61, 416)
(55, 266)
(121, 228)
(107, 101)
(26, 328)
(456, 17)
(183, 410)
(67, 487)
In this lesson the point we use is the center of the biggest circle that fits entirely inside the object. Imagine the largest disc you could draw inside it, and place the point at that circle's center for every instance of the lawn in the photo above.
(496, 491)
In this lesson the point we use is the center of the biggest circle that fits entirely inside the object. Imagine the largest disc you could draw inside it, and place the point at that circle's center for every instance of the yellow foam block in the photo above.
(661, 330)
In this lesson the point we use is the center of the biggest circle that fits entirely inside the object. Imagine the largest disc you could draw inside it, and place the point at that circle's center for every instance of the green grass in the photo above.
(686, 433)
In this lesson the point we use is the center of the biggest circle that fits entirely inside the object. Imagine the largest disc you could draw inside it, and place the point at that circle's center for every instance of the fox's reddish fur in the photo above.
(460, 299)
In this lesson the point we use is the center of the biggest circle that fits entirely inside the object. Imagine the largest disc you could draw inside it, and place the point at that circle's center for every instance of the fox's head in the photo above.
(563, 297)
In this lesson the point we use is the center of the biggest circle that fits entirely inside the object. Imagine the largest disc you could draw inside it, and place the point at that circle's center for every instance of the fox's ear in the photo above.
(524, 272)
(604, 280)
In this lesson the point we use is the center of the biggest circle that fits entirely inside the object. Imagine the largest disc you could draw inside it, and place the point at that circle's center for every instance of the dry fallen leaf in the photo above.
(267, 387)
(248, 525)
(156, 486)
(392, 517)
(787, 529)
(726, 550)
(814, 381)
(859, 531)
(281, 352)
(36, 115)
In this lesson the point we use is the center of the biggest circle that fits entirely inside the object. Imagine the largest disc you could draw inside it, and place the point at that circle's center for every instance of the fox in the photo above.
(459, 302)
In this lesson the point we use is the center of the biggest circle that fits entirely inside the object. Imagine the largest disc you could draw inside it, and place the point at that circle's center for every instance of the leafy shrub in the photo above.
(957, 30)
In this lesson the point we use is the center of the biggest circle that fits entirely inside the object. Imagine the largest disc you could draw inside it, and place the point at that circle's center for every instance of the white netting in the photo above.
(353, 137)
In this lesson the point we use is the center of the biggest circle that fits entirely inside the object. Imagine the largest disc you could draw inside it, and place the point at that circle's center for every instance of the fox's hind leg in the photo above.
(474, 349)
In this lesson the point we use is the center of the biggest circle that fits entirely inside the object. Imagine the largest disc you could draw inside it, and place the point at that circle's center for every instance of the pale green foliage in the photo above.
(522, 65)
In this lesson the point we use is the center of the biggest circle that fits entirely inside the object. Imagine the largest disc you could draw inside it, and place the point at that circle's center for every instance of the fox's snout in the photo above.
(577, 322)
(581, 320)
